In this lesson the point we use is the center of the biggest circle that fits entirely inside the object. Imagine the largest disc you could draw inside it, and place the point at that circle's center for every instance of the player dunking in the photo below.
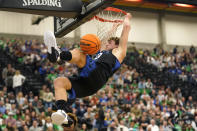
(93, 74)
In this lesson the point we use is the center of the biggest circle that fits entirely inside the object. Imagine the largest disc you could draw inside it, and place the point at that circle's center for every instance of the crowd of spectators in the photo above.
(128, 101)
(182, 63)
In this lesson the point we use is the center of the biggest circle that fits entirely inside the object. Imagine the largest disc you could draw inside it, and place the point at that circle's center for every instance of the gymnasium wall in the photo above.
(178, 30)
(181, 30)
(144, 28)
(17, 23)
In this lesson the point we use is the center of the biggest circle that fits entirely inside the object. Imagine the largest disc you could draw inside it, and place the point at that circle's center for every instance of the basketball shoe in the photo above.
(53, 51)
(61, 118)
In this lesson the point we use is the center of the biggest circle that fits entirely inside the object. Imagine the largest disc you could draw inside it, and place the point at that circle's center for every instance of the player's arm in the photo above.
(121, 51)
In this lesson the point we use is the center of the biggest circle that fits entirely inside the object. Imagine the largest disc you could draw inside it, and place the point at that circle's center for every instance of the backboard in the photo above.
(63, 26)
(59, 8)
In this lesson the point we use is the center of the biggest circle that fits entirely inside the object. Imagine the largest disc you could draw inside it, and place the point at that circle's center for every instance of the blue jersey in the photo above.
(95, 73)
(105, 59)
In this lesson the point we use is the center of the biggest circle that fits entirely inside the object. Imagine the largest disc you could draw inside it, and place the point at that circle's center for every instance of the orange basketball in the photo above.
(90, 44)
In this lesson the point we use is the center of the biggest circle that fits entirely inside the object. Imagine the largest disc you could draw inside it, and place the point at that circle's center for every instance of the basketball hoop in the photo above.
(105, 20)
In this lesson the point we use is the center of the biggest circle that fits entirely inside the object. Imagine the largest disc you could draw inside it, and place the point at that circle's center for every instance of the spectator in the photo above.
(108, 119)
(35, 127)
(18, 81)
(84, 128)
(40, 108)
(149, 84)
(20, 99)
(2, 107)
(152, 126)
(183, 76)
(7, 75)
(141, 84)
(48, 124)
(122, 126)
(10, 120)
(35, 101)
(13, 109)
(12, 98)
(143, 122)
(136, 111)
(7, 104)
(175, 50)
(1, 119)
(144, 95)
(48, 99)
(89, 114)
(166, 127)
(30, 97)
(192, 50)
(112, 127)
(42, 91)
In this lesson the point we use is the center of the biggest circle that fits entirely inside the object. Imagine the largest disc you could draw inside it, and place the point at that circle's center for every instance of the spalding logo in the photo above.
(52, 3)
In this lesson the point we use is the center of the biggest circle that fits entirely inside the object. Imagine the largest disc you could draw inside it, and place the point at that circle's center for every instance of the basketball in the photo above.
(90, 44)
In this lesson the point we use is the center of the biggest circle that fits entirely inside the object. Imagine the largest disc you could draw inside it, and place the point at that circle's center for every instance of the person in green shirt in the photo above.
(134, 84)
(52, 75)
(2, 44)
(84, 127)
(177, 127)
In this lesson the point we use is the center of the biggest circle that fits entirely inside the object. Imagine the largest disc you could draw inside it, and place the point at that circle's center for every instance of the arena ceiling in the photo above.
(162, 5)
(177, 7)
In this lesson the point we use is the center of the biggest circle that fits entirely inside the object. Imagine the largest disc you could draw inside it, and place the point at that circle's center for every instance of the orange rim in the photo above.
(113, 10)
(116, 10)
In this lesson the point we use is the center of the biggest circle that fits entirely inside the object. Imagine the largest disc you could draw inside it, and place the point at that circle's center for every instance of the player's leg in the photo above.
(78, 57)
(74, 56)
(61, 85)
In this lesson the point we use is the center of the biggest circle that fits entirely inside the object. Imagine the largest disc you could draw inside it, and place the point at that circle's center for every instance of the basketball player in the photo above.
(93, 74)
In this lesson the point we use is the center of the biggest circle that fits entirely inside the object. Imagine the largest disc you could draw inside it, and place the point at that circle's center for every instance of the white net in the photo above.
(108, 22)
